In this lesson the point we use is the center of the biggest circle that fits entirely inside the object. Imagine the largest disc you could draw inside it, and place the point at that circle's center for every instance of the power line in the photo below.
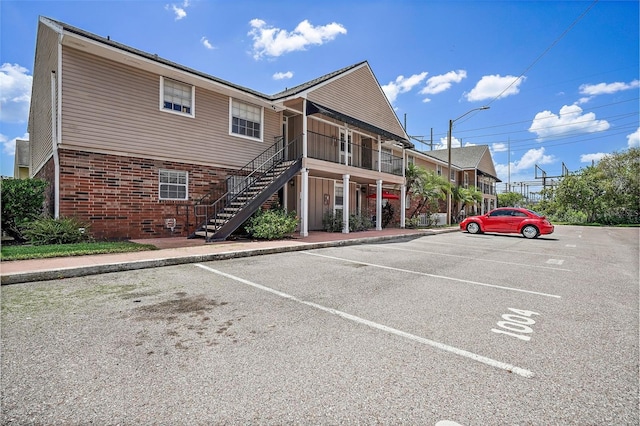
(546, 51)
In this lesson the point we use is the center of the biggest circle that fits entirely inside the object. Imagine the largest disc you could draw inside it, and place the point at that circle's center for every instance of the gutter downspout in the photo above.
(55, 137)
(403, 190)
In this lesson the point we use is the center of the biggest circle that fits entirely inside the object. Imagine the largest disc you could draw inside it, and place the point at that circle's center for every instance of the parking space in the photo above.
(474, 329)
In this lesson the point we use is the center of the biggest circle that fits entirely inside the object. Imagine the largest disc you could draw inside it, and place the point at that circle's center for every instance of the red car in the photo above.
(509, 220)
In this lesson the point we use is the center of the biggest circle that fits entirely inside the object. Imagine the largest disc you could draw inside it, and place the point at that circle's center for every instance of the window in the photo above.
(439, 170)
(173, 185)
(246, 120)
(338, 199)
(452, 175)
(387, 160)
(466, 179)
(411, 159)
(176, 97)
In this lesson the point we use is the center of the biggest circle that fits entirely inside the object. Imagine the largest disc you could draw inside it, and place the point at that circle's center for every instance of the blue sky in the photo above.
(560, 77)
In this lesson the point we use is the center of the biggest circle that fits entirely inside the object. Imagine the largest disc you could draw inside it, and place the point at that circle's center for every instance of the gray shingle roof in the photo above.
(467, 157)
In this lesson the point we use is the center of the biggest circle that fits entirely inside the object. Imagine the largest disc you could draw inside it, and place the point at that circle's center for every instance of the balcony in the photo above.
(327, 148)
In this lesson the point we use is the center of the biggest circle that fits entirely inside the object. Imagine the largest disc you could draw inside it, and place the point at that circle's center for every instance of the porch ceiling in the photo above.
(325, 169)
(314, 108)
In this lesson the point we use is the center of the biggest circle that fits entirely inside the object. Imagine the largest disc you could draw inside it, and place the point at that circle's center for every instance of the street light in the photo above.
(449, 155)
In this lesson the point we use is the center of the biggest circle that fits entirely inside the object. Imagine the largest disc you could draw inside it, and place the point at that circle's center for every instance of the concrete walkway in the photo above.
(174, 251)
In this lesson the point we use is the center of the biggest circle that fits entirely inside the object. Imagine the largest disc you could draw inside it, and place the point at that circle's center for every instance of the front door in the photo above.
(345, 147)
(367, 153)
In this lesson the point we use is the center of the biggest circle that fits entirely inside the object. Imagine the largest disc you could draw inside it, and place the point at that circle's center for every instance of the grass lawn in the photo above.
(21, 252)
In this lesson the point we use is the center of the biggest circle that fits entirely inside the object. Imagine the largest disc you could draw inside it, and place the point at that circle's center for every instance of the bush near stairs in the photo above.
(271, 224)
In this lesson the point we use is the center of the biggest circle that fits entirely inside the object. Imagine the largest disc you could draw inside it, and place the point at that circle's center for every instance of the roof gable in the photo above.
(355, 91)
(476, 157)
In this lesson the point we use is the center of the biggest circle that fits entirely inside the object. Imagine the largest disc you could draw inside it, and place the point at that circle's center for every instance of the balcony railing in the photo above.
(327, 148)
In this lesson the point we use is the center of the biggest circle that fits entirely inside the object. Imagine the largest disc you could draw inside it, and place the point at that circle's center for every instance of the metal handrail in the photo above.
(267, 161)
(328, 148)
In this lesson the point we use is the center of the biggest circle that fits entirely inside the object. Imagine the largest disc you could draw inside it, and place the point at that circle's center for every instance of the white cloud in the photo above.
(282, 75)
(570, 120)
(180, 11)
(440, 83)
(588, 158)
(495, 86)
(205, 42)
(9, 146)
(15, 93)
(607, 88)
(633, 140)
(402, 84)
(529, 160)
(499, 147)
(455, 143)
(270, 41)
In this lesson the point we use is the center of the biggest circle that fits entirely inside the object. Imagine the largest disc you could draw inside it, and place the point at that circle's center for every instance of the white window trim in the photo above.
(193, 99)
(261, 138)
(337, 185)
(439, 170)
(186, 185)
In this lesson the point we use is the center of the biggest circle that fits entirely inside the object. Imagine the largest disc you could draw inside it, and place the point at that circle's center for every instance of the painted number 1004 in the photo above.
(516, 324)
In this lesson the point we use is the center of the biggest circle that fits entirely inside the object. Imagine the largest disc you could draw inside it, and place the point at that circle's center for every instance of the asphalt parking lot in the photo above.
(444, 329)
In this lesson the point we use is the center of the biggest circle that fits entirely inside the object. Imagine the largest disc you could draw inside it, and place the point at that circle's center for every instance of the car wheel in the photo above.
(530, 231)
(473, 228)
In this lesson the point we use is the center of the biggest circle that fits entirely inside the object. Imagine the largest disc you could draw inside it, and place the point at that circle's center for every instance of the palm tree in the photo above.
(426, 187)
(470, 195)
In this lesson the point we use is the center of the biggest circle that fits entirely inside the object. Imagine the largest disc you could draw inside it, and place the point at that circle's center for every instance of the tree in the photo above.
(583, 191)
(426, 187)
(509, 199)
(22, 202)
(621, 172)
(470, 195)
(608, 192)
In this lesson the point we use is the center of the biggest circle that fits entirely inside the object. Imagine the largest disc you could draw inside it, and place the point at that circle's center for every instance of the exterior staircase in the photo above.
(254, 185)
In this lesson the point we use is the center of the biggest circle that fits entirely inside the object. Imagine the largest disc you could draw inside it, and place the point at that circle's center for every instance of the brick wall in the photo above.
(119, 196)
(47, 173)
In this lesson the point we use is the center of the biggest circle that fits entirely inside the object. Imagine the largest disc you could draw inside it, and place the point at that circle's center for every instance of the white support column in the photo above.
(345, 204)
(379, 205)
(403, 205)
(304, 130)
(403, 191)
(347, 144)
(304, 203)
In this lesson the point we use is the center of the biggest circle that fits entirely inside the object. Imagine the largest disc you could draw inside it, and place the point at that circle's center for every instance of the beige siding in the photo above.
(317, 189)
(40, 130)
(427, 165)
(486, 164)
(358, 95)
(114, 108)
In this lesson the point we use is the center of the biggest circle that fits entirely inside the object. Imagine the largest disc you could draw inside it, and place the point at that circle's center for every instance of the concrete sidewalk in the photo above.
(175, 251)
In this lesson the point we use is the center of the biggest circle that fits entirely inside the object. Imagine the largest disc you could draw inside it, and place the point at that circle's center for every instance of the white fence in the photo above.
(437, 219)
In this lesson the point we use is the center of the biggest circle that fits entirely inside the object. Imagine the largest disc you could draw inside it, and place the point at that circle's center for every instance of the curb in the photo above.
(80, 271)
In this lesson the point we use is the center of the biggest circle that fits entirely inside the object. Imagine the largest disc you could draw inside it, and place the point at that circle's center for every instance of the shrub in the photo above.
(22, 202)
(412, 222)
(64, 230)
(332, 222)
(271, 224)
(359, 223)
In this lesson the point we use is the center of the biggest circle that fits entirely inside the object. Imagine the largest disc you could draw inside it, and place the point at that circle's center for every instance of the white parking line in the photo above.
(432, 275)
(461, 352)
(477, 259)
(531, 253)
